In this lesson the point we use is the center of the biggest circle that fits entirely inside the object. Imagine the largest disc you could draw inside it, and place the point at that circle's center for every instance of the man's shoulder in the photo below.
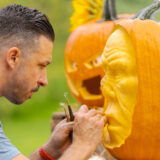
(1, 130)
(2, 136)
(7, 150)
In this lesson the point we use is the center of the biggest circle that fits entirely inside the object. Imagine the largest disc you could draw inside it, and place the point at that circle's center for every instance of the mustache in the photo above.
(36, 89)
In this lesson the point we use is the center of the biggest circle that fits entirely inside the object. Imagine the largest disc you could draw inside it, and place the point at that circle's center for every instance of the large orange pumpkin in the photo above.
(131, 88)
(82, 56)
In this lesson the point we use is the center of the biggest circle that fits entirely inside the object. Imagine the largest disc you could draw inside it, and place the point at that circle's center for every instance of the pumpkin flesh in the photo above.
(144, 138)
(119, 87)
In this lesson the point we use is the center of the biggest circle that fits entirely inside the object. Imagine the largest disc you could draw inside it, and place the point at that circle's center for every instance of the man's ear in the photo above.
(13, 57)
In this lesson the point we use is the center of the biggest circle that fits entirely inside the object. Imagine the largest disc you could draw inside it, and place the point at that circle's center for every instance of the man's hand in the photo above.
(88, 127)
(87, 133)
(60, 140)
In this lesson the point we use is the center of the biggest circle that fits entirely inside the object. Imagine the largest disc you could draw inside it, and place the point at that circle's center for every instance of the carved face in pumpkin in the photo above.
(83, 61)
(119, 86)
(131, 89)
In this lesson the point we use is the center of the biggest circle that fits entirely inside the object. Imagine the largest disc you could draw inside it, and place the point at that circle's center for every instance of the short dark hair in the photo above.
(16, 19)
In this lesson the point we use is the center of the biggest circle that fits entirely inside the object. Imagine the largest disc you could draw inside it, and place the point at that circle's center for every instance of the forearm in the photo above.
(34, 156)
(48, 148)
(78, 152)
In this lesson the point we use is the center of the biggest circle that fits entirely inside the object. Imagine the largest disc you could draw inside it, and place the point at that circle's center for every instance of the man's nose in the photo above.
(43, 81)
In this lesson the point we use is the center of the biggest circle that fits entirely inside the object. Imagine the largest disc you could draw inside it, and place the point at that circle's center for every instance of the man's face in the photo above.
(30, 74)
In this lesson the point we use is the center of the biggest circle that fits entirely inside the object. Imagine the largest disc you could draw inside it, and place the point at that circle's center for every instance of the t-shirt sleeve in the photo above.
(7, 150)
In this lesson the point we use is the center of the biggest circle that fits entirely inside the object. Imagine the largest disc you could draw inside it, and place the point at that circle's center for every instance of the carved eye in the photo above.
(117, 67)
(118, 64)
(71, 66)
(94, 62)
(97, 61)
(74, 65)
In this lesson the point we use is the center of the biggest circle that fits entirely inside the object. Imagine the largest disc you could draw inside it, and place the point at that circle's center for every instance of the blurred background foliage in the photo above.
(27, 125)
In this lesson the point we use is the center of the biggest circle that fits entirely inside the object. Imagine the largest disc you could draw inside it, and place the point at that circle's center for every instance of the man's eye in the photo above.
(42, 66)
(117, 67)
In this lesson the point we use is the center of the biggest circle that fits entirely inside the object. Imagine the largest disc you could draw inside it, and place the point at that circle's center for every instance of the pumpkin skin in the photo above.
(82, 60)
(143, 138)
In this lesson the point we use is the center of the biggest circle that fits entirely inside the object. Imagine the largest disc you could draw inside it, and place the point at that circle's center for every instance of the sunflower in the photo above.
(85, 11)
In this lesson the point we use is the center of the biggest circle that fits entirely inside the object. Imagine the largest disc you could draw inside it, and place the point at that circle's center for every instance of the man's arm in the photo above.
(21, 157)
(56, 145)
(34, 156)
(77, 152)
(87, 133)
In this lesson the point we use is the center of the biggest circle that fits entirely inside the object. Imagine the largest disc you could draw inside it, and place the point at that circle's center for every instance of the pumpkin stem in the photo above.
(109, 10)
(147, 13)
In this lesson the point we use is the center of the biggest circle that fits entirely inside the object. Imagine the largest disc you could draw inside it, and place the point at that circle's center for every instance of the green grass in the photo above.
(27, 125)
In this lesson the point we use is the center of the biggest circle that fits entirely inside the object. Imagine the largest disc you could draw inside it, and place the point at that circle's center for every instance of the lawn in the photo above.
(27, 125)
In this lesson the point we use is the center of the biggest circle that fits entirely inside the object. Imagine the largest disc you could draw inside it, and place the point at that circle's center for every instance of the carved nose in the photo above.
(109, 91)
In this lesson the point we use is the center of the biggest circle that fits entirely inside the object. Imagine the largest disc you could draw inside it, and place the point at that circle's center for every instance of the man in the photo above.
(26, 41)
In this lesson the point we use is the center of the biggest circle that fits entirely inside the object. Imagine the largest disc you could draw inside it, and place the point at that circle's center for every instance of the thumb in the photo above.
(67, 127)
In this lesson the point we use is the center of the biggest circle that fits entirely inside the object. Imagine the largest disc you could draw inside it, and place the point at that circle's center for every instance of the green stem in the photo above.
(147, 13)
(109, 10)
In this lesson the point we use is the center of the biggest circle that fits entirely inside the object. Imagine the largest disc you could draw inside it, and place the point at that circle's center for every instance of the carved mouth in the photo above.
(90, 88)
(92, 85)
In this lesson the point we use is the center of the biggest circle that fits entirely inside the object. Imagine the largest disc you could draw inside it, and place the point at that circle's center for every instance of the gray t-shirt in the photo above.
(7, 150)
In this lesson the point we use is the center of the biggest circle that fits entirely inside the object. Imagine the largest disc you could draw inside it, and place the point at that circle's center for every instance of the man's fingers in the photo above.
(101, 118)
(64, 125)
(104, 119)
(98, 117)
(93, 112)
(63, 121)
(68, 124)
(67, 127)
(83, 109)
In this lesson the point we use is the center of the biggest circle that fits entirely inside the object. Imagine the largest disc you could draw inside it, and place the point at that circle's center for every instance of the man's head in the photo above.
(26, 41)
